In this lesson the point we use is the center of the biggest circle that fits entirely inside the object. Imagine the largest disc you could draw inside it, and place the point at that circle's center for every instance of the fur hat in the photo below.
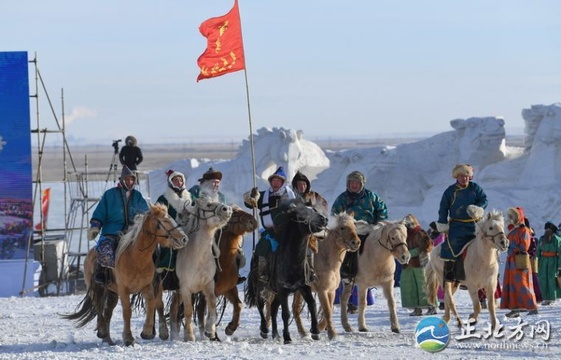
(130, 140)
(515, 215)
(358, 176)
(549, 225)
(278, 174)
(126, 172)
(170, 175)
(211, 174)
(300, 177)
(462, 169)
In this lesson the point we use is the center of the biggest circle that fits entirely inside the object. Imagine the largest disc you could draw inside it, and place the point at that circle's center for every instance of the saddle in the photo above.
(349, 267)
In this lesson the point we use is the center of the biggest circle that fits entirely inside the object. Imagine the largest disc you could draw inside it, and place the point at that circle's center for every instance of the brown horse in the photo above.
(134, 273)
(341, 237)
(385, 241)
(230, 240)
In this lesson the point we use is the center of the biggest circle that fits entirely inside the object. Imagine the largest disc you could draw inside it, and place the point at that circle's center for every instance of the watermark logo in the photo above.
(432, 334)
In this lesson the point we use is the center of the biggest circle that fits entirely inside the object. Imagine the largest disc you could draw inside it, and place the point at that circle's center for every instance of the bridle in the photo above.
(391, 248)
(168, 233)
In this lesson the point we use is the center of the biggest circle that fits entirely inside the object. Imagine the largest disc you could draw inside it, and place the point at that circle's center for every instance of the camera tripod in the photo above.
(114, 162)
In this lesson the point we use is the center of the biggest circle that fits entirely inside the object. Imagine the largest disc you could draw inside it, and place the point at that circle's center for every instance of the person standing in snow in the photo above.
(365, 205)
(548, 254)
(518, 288)
(130, 154)
(113, 215)
(267, 202)
(461, 206)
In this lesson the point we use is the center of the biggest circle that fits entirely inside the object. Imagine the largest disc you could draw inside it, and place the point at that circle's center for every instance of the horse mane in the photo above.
(133, 232)
(493, 215)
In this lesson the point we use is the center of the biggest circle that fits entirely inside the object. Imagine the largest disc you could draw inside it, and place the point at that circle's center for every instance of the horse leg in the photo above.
(201, 307)
(297, 312)
(326, 301)
(491, 304)
(449, 291)
(210, 326)
(105, 313)
(148, 330)
(162, 325)
(361, 295)
(233, 297)
(174, 315)
(274, 312)
(285, 318)
(187, 298)
(473, 294)
(264, 326)
(128, 339)
(345, 294)
(388, 293)
(312, 309)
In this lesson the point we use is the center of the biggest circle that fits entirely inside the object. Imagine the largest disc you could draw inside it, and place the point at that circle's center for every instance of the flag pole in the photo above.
(251, 142)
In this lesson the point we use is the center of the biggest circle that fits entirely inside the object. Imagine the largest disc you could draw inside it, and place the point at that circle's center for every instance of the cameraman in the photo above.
(130, 155)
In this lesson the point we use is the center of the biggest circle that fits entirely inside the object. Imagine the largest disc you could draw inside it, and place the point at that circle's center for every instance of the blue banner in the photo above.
(16, 188)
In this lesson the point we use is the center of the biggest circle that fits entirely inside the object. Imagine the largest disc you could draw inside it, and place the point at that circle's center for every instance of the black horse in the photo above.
(288, 266)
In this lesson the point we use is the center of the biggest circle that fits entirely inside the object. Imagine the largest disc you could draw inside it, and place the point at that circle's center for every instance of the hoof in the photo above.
(348, 328)
(264, 335)
(395, 330)
(363, 329)
(147, 336)
(229, 331)
(129, 342)
(109, 341)
(164, 335)
(315, 336)
(211, 336)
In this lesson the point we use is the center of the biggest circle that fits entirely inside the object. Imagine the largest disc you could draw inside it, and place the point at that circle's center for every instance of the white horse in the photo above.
(341, 237)
(481, 265)
(376, 266)
(196, 266)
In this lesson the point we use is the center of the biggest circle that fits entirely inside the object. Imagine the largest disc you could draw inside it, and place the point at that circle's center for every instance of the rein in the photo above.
(155, 236)
(391, 248)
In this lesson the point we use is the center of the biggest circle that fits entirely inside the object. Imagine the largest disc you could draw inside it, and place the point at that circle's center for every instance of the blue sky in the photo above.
(330, 68)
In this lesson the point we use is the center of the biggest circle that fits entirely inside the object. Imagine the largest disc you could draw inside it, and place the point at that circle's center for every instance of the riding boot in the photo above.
(459, 271)
(312, 277)
(99, 275)
(262, 269)
(449, 274)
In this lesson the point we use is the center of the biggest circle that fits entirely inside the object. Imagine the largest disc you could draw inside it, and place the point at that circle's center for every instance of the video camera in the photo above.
(116, 145)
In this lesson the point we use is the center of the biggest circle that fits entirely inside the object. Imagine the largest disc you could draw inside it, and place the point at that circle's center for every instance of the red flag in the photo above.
(45, 199)
(224, 51)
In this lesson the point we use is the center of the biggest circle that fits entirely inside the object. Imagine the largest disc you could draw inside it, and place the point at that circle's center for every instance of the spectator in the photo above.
(130, 154)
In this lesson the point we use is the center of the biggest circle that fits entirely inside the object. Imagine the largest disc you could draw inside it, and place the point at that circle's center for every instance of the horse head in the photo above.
(491, 228)
(345, 231)
(241, 222)
(204, 212)
(394, 239)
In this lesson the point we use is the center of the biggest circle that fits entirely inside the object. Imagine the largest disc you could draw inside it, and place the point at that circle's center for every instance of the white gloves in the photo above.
(475, 212)
(443, 228)
(252, 197)
(92, 233)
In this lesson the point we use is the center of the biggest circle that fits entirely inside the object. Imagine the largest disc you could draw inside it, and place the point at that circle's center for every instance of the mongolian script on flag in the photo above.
(45, 199)
(224, 51)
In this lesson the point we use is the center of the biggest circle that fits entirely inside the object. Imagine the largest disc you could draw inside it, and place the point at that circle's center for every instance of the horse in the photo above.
(196, 265)
(386, 240)
(340, 237)
(481, 265)
(229, 239)
(134, 272)
(289, 269)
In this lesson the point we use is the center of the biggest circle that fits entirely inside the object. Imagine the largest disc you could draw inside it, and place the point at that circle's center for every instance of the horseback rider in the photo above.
(209, 186)
(177, 199)
(267, 202)
(301, 186)
(364, 205)
(113, 215)
(461, 206)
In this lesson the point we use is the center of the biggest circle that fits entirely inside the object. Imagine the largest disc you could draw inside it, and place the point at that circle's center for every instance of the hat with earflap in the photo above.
(126, 172)
(515, 215)
(170, 175)
(280, 174)
(549, 225)
(300, 177)
(357, 176)
(462, 169)
(211, 174)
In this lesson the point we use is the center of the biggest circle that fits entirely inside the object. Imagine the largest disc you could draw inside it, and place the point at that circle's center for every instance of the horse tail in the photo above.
(431, 282)
(85, 312)
(251, 292)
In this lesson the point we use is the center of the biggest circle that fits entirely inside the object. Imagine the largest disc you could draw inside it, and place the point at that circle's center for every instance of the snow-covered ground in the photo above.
(32, 329)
